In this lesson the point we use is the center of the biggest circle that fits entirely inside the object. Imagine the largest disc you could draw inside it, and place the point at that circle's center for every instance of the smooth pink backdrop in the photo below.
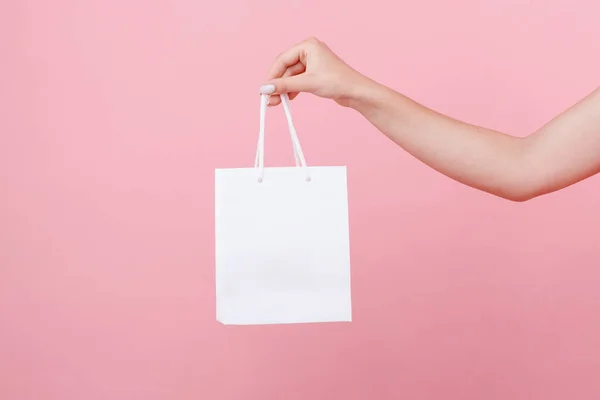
(113, 116)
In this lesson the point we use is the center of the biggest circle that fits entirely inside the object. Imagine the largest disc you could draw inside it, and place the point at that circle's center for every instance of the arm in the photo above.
(561, 153)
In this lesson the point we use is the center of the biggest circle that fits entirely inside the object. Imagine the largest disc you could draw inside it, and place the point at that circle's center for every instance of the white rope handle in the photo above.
(259, 160)
(260, 147)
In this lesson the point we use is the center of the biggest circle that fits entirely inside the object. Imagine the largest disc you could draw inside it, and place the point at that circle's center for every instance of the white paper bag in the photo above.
(282, 241)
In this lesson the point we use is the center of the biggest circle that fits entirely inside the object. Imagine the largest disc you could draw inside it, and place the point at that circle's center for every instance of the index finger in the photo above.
(294, 55)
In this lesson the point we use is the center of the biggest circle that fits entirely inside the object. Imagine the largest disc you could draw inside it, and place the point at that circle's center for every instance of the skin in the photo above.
(561, 153)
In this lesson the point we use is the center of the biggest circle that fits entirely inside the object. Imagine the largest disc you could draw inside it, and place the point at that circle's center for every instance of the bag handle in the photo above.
(260, 148)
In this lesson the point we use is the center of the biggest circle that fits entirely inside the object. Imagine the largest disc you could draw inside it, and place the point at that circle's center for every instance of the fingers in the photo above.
(298, 83)
(276, 99)
(295, 69)
(291, 85)
(287, 74)
(294, 55)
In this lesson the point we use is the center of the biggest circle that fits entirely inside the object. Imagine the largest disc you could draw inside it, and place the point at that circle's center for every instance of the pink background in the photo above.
(113, 118)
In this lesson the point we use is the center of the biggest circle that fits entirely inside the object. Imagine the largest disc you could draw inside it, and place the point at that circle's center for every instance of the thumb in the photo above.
(291, 84)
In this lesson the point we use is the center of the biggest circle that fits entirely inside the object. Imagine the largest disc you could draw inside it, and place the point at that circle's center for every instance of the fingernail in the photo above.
(267, 89)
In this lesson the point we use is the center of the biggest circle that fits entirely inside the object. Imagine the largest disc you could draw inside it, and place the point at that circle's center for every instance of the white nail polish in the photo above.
(267, 89)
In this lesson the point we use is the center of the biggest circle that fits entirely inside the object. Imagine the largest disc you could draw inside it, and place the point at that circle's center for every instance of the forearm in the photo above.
(481, 158)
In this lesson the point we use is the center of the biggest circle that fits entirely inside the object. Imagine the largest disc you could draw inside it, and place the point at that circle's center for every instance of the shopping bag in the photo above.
(282, 240)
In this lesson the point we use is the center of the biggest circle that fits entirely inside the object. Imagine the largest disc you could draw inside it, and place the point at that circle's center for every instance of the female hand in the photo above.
(312, 67)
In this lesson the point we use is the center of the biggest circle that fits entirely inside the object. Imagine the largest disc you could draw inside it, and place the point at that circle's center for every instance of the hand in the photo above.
(312, 67)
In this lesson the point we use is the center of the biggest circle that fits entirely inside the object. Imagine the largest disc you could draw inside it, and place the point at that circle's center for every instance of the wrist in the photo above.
(367, 95)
